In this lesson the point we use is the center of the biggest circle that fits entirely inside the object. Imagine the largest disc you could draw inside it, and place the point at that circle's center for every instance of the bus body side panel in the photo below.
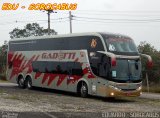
(24, 62)
(49, 62)
(14, 65)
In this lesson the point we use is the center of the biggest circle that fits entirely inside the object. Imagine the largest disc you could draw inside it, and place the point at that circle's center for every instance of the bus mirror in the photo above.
(149, 63)
(112, 56)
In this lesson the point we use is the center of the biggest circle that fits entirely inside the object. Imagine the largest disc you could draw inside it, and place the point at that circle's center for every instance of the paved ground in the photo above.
(44, 103)
(150, 95)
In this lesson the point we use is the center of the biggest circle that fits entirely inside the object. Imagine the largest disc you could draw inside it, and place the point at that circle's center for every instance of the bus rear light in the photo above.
(113, 62)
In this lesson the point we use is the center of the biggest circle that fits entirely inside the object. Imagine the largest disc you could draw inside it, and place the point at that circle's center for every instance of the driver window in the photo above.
(104, 66)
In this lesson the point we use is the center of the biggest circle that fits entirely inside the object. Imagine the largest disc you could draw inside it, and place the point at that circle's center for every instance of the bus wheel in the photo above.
(28, 82)
(84, 90)
(21, 82)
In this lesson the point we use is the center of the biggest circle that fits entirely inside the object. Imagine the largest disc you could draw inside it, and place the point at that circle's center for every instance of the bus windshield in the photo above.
(121, 45)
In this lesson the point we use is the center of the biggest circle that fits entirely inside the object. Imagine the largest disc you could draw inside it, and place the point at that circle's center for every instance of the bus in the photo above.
(98, 64)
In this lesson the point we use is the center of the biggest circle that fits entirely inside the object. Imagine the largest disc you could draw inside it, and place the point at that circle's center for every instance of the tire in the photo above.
(21, 82)
(28, 83)
(83, 90)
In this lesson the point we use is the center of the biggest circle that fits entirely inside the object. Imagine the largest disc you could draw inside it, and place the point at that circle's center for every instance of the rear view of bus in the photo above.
(124, 72)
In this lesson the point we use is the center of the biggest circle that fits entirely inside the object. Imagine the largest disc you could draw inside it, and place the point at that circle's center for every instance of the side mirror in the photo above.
(149, 60)
(149, 64)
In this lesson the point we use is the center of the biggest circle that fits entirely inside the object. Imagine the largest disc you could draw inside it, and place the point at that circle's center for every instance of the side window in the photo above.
(50, 67)
(56, 67)
(95, 57)
(21, 45)
(104, 66)
(48, 44)
(39, 66)
(95, 45)
(61, 68)
(74, 68)
(101, 66)
(77, 69)
(79, 42)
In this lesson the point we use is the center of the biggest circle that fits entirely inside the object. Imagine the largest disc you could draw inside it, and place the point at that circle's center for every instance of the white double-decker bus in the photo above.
(100, 64)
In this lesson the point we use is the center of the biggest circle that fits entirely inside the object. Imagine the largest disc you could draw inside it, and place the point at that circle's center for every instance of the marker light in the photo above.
(113, 61)
(112, 94)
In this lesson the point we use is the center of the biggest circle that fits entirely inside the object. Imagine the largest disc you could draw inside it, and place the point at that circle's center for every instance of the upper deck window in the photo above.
(120, 45)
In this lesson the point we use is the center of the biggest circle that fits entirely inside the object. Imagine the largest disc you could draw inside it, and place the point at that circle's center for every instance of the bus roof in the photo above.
(67, 35)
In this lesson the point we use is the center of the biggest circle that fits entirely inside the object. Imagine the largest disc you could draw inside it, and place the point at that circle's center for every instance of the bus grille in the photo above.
(128, 89)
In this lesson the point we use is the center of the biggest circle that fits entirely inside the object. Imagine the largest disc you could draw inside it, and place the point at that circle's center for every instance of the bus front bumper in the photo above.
(114, 92)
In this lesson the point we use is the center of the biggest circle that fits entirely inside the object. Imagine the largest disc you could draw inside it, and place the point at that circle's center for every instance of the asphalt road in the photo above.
(150, 96)
(44, 103)
(144, 94)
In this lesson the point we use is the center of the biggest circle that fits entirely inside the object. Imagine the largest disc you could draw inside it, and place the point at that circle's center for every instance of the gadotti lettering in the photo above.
(69, 55)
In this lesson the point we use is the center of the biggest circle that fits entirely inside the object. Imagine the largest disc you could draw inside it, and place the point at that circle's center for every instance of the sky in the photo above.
(139, 19)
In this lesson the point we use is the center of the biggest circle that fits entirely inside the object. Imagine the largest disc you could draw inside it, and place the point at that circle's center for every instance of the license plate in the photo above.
(128, 94)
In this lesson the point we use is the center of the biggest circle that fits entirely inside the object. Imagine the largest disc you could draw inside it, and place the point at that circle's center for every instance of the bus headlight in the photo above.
(111, 86)
(139, 88)
(112, 94)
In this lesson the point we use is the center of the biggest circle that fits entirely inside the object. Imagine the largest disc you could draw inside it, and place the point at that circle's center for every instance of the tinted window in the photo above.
(75, 68)
(33, 45)
(21, 45)
(101, 66)
(49, 67)
(128, 70)
(66, 43)
(39, 66)
(119, 44)
(71, 68)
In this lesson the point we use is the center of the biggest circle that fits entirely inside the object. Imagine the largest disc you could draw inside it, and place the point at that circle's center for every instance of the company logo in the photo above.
(60, 56)
(94, 43)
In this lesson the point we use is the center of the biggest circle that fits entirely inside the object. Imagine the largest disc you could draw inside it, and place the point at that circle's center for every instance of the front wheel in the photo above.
(84, 90)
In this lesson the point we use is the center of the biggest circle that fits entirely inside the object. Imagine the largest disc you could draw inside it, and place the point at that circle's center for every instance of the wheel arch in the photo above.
(28, 81)
(20, 75)
(28, 75)
(80, 82)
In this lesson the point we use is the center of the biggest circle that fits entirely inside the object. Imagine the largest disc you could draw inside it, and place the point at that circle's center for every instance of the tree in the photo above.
(154, 73)
(33, 29)
(145, 47)
(3, 60)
